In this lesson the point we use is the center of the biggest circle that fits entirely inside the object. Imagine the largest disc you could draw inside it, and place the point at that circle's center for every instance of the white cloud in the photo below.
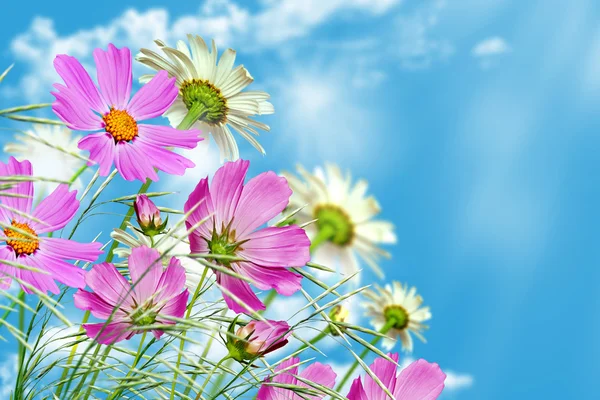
(8, 374)
(457, 381)
(490, 47)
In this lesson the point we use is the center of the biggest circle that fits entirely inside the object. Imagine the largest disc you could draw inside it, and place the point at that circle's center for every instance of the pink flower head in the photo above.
(257, 338)
(135, 148)
(22, 227)
(155, 294)
(421, 380)
(234, 213)
(316, 373)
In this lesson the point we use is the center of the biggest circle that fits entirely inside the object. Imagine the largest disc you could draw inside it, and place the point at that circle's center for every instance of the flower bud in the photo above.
(148, 216)
(257, 339)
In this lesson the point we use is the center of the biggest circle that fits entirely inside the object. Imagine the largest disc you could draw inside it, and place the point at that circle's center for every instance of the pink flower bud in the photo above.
(258, 338)
(148, 215)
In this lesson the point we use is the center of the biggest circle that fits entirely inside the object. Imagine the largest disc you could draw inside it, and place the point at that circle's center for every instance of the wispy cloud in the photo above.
(489, 49)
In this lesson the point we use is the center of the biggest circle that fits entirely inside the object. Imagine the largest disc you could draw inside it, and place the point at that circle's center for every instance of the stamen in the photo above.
(120, 125)
(21, 243)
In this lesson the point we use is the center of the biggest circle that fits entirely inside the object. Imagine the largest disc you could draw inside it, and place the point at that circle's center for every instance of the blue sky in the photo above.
(475, 123)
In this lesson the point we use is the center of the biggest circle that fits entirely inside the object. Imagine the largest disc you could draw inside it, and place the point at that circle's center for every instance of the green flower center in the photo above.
(335, 221)
(209, 98)
(143, 317)
(398, 314)
(223, 244)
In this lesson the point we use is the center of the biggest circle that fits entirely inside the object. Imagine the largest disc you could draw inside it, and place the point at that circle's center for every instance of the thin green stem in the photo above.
(197, 111)
(21, 346)
(77, 174)
(138, 355)
(212, 372)
(389, 324)
(325, 233)
(219, 381)
(315, 340)
(182, 342)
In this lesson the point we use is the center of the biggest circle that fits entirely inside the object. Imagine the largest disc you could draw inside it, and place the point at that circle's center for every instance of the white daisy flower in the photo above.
(400, 307)
(53, 152)
(213, 91)
(167, 244)
(345, 225)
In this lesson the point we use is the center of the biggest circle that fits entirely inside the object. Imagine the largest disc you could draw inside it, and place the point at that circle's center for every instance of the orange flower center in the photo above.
(120, 125)
(20, 242)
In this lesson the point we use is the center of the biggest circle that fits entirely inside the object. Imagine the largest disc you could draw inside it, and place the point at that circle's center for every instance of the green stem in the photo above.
(197, 111)
(314, 340)
(77, 174)
(210, 375)
(219, 381)
(325, 233)
(21, 346)
(109, 257)
(389, 324)
(182, 342)
(138, 355)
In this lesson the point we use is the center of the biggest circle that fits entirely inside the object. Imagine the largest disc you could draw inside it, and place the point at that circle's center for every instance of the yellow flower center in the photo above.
(21, 243)
(201, 93)
(120, 125)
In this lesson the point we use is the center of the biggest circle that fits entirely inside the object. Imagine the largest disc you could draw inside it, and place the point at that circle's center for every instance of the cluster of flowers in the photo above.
(225, 220)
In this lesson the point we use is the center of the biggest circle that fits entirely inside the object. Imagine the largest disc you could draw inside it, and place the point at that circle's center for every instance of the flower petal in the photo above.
(110, 285)
(114, 75)
(133, 164)
(102, 150)
(7, 272)
(72, 109)
(172, 281)
(263, 198)
(386, 372)
(166, 136)
(63, 272)
(44, 282)
(56, 210)
(154, 98)
(99, 308)
(421, 380)
(357, 392)
(77, 78)
(145, 269)
(70, 250)
(113, 332)
(281, 279)
(226, 189)
(22, 189)
(277, 247)
(320, 374)
(174, 308)
(163, 159)
(241, 290)
(199, 205)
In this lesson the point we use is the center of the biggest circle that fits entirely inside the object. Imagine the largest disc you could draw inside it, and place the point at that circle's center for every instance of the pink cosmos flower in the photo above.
(22, 227)
(316, 372)
(258, 338)
(135, 149)
(421, 380)
(235, 212)
(155, 294)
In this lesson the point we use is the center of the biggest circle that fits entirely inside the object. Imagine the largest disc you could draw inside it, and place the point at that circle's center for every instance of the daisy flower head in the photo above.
(35, 260)
(210, 93)
(169, 244)
(399, 309)
(421, 380)
(345, 226)
(52, 150)
(136, 149)
(287, 373)
(226, 220)
(153, 294)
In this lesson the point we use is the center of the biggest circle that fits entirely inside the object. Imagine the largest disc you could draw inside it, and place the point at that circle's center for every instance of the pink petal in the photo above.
(114, 75)
(386, 372)
(357, 392)
(96, 305)
(133, 164)
(77, 79)
(421, 380)
(163, 159)
(56, 210)
(172, 281)
(102, 150)
(268, 393)
(175, 307)
(289, 376)
(282, 280)
(226, 189)
(320, 374)
(24, 189)
(201, 203)
(41, 281)
(110, 285)
(263, 198)
(277, 247)
(63, 272)
(242, 291)
(72, 109)
(113, 332)
(166, 136)
(70, 250)
(145, 269)
(154, 98)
